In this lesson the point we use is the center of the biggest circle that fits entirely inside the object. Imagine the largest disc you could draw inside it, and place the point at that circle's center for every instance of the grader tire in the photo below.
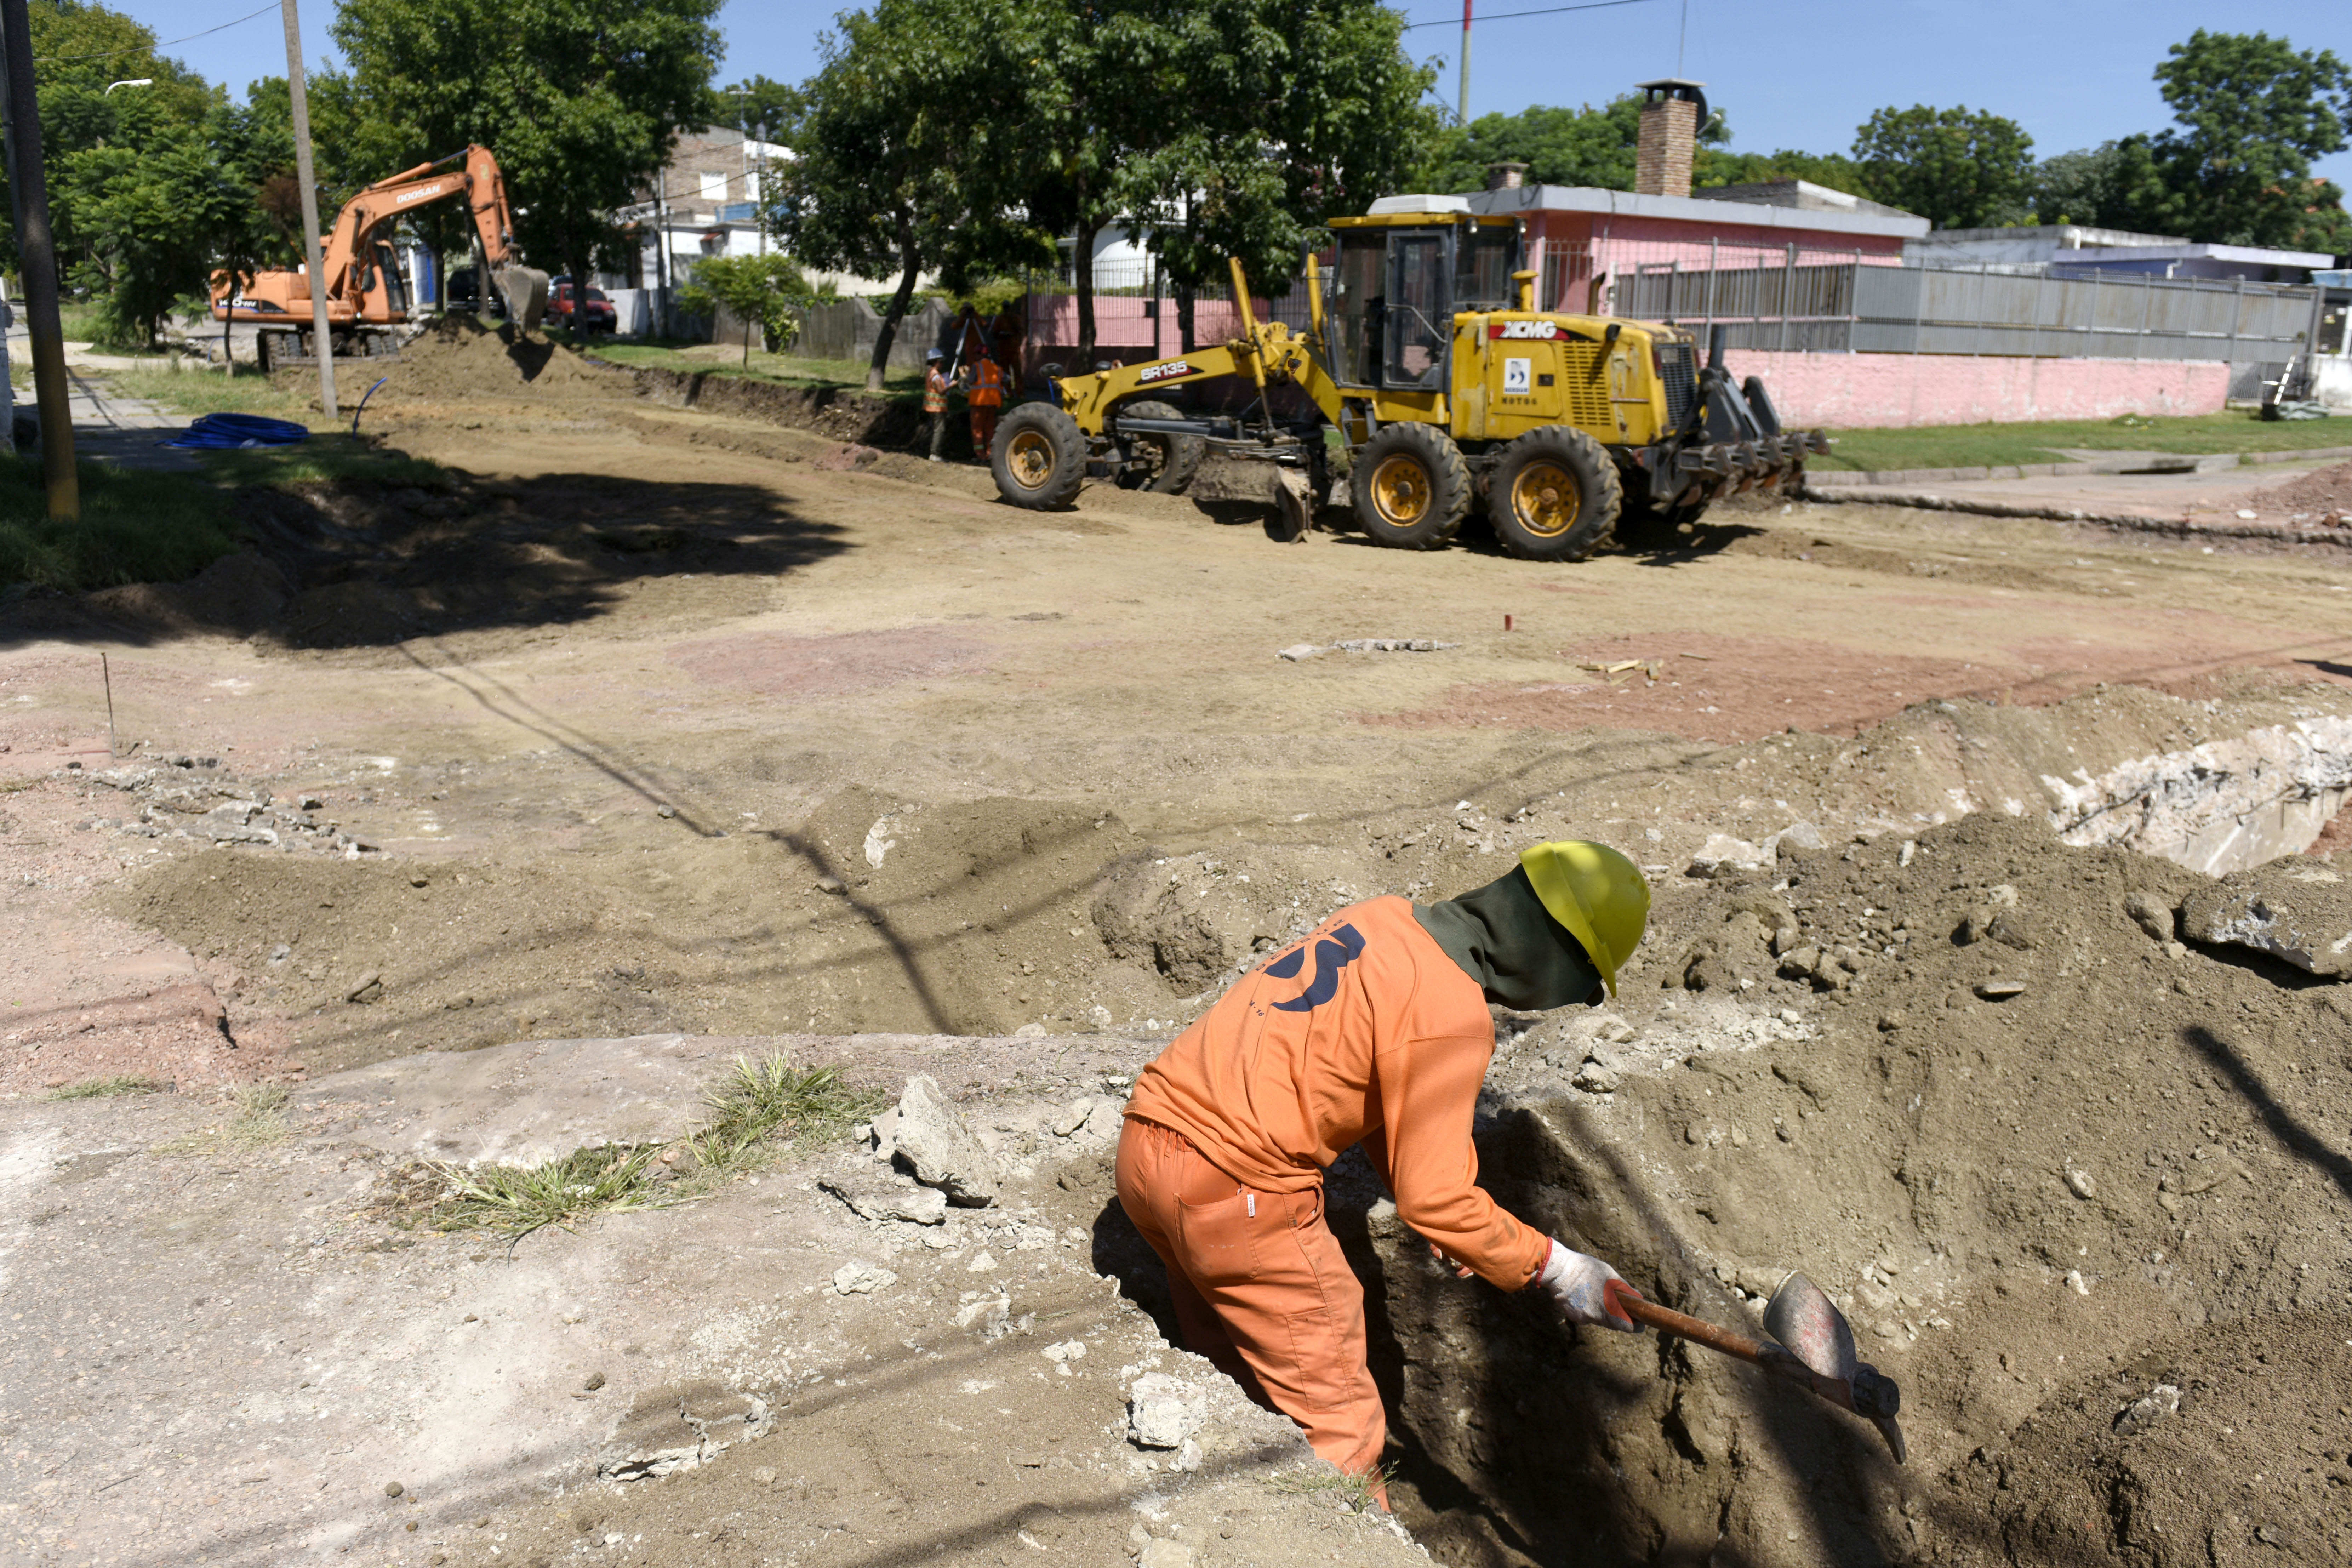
(1411, 487)
(1179, 456)
(1039, 459)
(1554, 494)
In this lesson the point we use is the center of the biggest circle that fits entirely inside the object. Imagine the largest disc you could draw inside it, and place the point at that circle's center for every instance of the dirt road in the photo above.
(662, 723)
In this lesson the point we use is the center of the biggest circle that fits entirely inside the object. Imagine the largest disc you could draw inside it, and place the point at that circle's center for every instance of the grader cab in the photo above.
(1428, 370)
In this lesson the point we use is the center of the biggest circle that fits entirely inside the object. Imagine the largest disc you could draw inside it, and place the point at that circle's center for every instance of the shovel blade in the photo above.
(1804, 1320)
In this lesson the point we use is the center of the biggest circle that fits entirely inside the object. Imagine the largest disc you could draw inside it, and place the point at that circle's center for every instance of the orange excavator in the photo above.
(367, 299)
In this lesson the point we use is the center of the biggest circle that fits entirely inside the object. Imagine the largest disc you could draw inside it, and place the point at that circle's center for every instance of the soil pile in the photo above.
(458, 357)
(2324, 495)
(2081, 1186)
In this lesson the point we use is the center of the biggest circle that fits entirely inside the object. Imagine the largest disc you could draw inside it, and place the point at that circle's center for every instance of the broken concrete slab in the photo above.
(2218, 806)
(934, 1138)
(2288, 908)
(880, 1198)
(527, 1103)
(679, 1427)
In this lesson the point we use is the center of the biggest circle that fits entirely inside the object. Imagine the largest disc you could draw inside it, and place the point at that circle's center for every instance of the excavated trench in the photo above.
(2081, 1186)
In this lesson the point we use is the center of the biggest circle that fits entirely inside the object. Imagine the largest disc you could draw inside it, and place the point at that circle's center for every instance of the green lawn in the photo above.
(135, 527)
(1975, 445)
(195, 392)
(788, 369)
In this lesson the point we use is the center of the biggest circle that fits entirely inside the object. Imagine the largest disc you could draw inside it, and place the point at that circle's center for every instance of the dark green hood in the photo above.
(1504, 939)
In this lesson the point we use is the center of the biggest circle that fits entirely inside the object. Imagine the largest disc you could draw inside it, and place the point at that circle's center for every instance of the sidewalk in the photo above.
(2229, 503)
(119, 430)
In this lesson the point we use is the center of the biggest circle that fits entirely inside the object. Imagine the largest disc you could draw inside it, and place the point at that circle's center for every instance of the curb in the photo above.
(2175, 527)
(1840, 479)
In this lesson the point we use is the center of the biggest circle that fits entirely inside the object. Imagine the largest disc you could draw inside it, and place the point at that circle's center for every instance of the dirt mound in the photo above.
(2324, 495)
(458, 357)
(2046, 1156)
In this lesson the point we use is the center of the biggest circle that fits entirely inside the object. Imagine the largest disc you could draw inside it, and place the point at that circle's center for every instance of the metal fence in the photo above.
(1845, 307)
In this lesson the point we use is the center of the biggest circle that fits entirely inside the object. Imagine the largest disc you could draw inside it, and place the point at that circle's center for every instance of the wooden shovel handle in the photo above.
(1623, 1298)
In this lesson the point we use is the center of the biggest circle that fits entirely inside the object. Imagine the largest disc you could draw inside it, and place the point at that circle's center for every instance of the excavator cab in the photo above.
(1399, 280)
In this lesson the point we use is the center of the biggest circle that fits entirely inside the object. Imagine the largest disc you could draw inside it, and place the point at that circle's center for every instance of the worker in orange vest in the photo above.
(937, 384)
(1372, 1029)
(986, 397)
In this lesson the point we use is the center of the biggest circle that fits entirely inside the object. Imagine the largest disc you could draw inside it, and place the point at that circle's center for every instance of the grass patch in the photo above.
(259, 1122)
(199, 391)
(767, 1102)
(760, 1107)
(105, 1089)
(517, 1200)
(260, 1119)
(790, 370)
(2046, 441)
(1359, 1492)
(135, 527)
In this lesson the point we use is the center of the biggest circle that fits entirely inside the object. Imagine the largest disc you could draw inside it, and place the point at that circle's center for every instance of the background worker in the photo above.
(937, 384)
(987, 396)
(1372, 1029)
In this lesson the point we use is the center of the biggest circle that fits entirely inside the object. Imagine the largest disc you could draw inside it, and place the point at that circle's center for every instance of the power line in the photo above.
(1551, 11)
(167, 43)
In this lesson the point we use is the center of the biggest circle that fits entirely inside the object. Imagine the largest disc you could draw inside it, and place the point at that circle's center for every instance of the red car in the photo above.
(596, 316)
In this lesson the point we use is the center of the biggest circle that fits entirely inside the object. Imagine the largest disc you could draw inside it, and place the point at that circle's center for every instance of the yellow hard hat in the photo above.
(1598, 895)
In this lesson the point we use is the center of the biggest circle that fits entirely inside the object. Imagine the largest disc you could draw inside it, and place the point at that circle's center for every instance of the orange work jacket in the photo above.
(1363, 1031)
(988, 384)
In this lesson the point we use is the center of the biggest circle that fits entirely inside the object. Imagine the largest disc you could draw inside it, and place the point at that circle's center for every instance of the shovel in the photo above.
(1811, 1346)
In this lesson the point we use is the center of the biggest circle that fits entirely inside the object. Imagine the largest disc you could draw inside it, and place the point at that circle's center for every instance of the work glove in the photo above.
(1578, 1286)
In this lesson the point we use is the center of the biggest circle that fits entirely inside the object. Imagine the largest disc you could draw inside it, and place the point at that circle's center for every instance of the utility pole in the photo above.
(38, 248)
(1464, 101)
(304, 172)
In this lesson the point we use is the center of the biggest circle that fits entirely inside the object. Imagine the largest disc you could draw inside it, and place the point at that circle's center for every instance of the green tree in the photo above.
(929, 124)
(759, 290)
(755, 105)
(153, 219)
(1240, 126)
(2253, 113)
(1960, 168)
(1720, 166)
(579, 100)
(77, 50)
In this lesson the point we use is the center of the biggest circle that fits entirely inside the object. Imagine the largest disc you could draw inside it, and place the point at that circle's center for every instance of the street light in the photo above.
(134, 81)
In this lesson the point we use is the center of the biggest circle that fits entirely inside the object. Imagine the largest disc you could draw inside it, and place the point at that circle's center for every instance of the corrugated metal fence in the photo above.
(1851, 308)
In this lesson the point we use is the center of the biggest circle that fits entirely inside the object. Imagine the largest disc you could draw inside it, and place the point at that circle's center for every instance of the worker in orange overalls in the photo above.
(1372, 1029)
(986, 397)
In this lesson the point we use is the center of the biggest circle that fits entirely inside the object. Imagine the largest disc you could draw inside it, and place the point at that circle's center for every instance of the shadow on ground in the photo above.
(358, 562)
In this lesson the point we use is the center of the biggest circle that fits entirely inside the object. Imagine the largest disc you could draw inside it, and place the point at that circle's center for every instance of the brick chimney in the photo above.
(1672, 113)
(1505, 176)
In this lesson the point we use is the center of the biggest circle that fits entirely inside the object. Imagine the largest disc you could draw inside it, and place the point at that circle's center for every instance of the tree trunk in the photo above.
(228, 319)
(898, 303)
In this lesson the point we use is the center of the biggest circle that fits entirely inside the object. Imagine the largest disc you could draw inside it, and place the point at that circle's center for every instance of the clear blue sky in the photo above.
(2073, 72)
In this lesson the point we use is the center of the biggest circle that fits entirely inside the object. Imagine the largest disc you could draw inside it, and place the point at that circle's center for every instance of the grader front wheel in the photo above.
(1040, 456)
(1554, 494)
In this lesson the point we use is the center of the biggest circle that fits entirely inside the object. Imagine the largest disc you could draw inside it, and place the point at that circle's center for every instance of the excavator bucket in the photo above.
(526, 291)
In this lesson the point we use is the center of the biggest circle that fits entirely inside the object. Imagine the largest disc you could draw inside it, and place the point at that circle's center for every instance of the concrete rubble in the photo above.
(932, 1137)
(2301, 913)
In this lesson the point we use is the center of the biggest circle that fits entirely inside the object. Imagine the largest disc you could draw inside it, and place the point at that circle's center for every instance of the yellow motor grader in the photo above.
(1443, 382)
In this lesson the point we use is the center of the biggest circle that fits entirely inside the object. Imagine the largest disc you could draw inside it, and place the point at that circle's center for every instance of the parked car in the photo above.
(459, 293)
(596, 314)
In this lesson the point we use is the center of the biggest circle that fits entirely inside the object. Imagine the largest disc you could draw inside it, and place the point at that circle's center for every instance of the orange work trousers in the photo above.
(1261, 1289)
(983, 430)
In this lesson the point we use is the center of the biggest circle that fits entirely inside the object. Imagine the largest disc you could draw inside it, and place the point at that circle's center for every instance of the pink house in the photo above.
(1589, 246)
